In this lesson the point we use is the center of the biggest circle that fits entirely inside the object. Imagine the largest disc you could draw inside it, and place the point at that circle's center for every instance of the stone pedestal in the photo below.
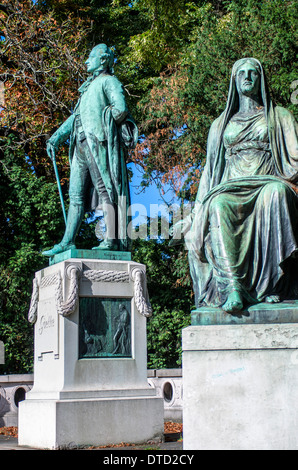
(90, 357)
(240, 383)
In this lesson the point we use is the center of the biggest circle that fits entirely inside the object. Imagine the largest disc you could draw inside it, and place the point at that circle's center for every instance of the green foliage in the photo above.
(29, 219)
(174, 58)
(176, 114)
(171, 297)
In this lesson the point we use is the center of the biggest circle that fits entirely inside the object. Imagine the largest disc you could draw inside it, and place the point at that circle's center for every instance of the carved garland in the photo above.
(68, 307)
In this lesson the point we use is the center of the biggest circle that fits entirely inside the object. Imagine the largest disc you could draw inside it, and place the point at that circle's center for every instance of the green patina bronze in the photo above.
(90, 254)
(100, 132)
(242, 235)
(104, 327)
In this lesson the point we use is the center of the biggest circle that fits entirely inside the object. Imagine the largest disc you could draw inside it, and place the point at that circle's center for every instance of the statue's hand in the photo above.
(176, 232)
(51, 150)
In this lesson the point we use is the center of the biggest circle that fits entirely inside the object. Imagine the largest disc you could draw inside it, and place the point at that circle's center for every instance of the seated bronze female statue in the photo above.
(242, 236)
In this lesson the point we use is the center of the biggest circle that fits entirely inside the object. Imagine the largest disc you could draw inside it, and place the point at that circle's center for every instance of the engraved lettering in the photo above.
(46, 322)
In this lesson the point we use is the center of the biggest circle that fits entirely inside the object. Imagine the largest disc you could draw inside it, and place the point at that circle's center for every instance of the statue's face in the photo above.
(248, 80)
(94, 61)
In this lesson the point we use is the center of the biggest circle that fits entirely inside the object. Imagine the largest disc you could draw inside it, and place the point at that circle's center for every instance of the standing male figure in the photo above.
(100, 131)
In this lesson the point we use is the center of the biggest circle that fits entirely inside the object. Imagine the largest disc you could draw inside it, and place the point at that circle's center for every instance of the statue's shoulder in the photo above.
(108, 78)
(284, 113)
(215, 125)
(217, 121)
(110, 82)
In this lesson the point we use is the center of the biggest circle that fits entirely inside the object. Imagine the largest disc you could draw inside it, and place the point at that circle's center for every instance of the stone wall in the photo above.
(12, 390)
(167, 382)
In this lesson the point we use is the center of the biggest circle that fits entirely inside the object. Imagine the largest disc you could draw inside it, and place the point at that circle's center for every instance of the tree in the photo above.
(29, 218)
(177, 112)
(174, 59)
(170, 293)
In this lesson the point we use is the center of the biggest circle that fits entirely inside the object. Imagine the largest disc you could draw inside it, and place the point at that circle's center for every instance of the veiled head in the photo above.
(247, 76)
(258, 82)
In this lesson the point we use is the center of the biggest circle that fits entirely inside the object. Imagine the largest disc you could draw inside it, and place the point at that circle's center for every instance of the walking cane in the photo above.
(51, 152)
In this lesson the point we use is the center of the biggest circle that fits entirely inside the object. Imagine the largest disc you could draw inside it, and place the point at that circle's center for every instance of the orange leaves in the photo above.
(40, 54)
(169, 149)
(170, 427)
(11, 431)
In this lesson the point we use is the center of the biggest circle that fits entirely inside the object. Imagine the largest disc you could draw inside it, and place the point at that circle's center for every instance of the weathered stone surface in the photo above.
(283, 312)
(92, 395)
(240, 387)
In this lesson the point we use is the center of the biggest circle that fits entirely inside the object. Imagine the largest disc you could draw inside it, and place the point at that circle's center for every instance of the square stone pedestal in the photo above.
(240, 382)
(90, 357)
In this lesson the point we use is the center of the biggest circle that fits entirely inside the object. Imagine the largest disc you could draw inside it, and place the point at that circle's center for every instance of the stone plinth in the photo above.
(283, 312)
(240, 386)
(90, 357)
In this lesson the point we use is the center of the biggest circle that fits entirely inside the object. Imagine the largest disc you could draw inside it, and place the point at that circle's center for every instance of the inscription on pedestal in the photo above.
(104, 327)
(46, 328)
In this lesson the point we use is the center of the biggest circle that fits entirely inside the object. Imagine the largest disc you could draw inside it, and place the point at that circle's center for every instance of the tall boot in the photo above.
(74, 220)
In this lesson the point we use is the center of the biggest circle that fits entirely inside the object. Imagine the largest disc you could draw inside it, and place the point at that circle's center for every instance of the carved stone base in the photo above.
(67, 424)
(90, 357)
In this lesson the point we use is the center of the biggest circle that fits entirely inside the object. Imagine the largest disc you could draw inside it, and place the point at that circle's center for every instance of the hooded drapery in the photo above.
(243, 231)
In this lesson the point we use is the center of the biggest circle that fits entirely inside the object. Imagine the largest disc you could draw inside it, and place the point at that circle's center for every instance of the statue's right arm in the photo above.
(61, 134)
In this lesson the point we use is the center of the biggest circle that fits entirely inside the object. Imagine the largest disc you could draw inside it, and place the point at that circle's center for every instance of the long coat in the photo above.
(105, 119)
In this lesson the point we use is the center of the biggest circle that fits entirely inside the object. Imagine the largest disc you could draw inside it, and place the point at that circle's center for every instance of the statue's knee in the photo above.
(275, 190)
(76, 199)
(217, 205)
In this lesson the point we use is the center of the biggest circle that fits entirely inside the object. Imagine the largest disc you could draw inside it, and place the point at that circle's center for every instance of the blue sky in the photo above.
(149, 198)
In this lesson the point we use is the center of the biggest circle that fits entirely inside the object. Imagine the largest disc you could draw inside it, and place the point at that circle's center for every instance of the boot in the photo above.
(74, 219)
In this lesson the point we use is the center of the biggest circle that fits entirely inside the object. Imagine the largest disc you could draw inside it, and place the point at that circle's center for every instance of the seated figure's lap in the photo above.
(275, 189)
(227, 202)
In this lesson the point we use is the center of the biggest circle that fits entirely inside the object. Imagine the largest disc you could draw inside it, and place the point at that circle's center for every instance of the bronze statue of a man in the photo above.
(100, 131)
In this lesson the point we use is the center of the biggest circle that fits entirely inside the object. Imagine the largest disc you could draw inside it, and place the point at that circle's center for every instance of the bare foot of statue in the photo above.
(272, 299)
(234, 302)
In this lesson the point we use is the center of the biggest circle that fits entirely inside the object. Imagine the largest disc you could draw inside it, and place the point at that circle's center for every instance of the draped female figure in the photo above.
(242, 235)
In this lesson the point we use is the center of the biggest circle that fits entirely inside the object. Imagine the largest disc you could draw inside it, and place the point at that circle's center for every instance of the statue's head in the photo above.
(247, 76)
(101, 58)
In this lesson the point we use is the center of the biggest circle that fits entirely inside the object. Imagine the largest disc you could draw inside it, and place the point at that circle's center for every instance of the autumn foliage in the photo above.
(174, 58)
(170, 428)
(41, 70)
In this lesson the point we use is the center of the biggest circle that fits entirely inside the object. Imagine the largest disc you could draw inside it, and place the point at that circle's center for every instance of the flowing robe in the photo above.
(244, 229)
